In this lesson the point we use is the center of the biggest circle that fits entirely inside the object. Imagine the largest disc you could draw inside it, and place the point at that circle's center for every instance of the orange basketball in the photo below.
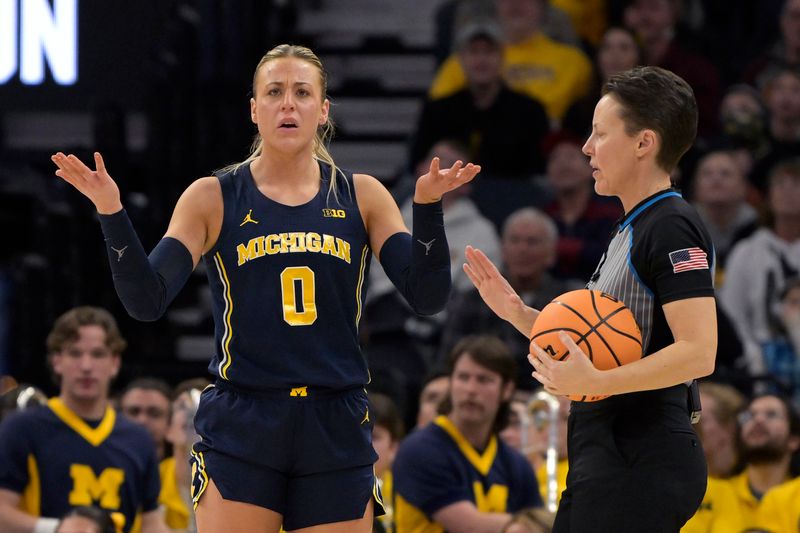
(599, 324)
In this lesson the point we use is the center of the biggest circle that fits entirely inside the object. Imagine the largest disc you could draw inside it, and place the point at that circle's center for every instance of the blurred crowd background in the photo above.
(162, 91)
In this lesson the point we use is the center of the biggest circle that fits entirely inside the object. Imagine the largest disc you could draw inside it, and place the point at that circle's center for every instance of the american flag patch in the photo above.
(688, 259)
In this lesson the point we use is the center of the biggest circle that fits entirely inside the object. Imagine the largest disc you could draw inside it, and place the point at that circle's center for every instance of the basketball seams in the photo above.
(593, 327)
(574, 310)
(581, 338)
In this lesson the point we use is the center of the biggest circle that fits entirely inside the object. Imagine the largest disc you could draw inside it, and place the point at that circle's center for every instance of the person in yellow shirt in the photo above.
(780, 509)
(553, 73)
(770, 434)
(719, 512)
(589, 17)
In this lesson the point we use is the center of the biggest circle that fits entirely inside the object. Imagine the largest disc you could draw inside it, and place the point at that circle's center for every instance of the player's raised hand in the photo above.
(96, 185)
(492, 286)
(432, 185)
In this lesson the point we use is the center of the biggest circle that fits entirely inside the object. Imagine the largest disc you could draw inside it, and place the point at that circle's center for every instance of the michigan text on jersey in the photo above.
(282, 243)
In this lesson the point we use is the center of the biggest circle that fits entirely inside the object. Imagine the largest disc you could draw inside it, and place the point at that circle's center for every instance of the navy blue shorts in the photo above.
(304, 453)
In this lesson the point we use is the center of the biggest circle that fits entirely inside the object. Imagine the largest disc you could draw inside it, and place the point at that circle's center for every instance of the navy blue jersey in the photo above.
(288, 286)
(58, 461)
(436, 467)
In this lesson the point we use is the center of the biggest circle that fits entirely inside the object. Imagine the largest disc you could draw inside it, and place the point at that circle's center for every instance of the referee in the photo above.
(635, 462)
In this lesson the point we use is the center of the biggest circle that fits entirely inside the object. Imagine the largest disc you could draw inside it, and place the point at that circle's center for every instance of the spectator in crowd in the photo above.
(502, 129)
(584, 219)
(758, 267)
(782, 100)
(654, 22)
(182, 436)
(780, 508)
(87, 519)
(101, 458)
(770, 436)
(785, 53)
(589, 18)
(718, 429)
(435, 389)
(387, 432)
(553, 73)
(148, 402)
(743, 126)
(618, 51)
(719, 193)
(782, 352)
(528, 250)
(455, 474)
(719, 512)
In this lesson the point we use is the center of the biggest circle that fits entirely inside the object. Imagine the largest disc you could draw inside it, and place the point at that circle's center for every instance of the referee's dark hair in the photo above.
(657, 99)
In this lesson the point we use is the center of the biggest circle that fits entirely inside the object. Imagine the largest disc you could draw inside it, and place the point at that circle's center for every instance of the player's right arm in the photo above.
(146, 285)
(497, 293)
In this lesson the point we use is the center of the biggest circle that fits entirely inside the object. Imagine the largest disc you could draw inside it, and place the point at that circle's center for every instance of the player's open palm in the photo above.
(96, 185)
(492, 286)
(436, 182)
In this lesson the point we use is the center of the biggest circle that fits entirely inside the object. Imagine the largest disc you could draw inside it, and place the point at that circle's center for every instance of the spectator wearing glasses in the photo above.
(769, 429)
(147, 401)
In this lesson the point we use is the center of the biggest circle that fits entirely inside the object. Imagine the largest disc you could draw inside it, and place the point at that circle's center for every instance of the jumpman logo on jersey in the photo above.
(427, 245)
(119, 252)
(366, 417)
(248, 218)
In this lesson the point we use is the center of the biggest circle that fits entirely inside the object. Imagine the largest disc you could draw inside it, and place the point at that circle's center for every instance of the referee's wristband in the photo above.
(46, 525)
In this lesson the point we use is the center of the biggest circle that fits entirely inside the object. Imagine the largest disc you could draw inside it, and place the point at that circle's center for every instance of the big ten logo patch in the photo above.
(334, 213)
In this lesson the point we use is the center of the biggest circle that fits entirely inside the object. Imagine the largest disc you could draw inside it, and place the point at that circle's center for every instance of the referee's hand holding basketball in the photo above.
(574, 375)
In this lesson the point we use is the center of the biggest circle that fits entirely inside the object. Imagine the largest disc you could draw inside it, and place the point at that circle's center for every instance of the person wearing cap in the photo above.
(502, 129)
(554, 73)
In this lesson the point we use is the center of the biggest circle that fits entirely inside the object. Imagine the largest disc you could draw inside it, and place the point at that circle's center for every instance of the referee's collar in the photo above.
(627, 219)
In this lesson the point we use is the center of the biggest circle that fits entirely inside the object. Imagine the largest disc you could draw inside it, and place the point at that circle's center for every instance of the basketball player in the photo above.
(76, 450)
(286, 237)
(634, 455)
(455, 474)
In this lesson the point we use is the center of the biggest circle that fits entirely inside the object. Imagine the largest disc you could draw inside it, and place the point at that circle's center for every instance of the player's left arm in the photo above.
(153, 522)
(418, 264)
